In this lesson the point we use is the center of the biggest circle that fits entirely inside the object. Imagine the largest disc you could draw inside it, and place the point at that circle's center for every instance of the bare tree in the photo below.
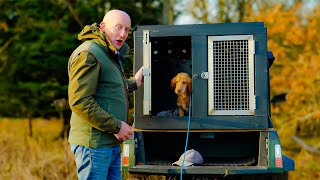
(62, 107)
(209, 11)
(168, 12)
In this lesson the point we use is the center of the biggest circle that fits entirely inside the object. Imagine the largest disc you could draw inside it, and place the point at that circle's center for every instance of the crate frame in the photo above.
(200, 118)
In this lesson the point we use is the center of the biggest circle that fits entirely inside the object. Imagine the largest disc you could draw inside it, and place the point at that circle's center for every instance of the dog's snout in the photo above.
(177, 91)
(180, 88)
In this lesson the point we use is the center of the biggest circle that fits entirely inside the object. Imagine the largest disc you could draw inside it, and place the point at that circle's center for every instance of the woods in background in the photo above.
(37, 38)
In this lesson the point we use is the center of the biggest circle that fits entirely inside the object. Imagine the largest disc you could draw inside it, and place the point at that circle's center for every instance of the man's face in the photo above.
(117, 30)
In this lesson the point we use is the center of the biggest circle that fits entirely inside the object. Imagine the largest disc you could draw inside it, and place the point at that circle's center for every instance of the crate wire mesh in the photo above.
(231, 75)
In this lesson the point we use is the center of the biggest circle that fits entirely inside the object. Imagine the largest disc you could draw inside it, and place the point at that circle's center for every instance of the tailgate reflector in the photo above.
(278, 156)
(126, 148)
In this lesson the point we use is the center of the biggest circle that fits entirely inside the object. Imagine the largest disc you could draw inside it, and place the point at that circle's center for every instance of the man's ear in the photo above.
(102, 26)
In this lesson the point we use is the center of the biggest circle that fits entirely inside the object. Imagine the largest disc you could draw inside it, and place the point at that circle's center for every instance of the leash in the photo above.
(187, 139)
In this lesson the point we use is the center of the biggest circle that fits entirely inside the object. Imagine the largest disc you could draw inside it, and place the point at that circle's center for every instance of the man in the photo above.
(98, 97)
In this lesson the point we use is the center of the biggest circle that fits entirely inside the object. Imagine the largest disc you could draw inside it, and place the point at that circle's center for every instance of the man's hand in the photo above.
(124, 133)
(139, 78)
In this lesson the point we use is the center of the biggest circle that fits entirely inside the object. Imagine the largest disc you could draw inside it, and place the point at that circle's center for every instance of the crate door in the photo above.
(231, 75)
(146, 73)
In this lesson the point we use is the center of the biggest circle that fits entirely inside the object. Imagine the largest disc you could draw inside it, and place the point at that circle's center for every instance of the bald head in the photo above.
(110, 15)
(116, 25)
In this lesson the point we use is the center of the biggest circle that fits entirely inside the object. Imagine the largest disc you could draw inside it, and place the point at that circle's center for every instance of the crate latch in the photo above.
(205, 75)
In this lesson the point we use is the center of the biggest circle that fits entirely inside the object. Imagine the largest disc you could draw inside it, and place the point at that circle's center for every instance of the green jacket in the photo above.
(98, 91)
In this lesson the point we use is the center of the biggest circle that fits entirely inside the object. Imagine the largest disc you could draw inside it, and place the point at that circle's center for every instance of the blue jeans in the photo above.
(97, 163)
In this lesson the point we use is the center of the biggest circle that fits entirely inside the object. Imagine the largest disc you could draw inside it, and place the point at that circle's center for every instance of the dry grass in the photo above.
(307, 164)
(44, 156)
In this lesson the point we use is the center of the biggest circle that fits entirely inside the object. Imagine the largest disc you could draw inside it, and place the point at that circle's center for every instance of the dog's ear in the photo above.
(189, 86)
(173, 83)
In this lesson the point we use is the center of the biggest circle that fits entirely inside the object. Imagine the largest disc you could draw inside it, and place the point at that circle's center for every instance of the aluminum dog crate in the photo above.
(229, 68)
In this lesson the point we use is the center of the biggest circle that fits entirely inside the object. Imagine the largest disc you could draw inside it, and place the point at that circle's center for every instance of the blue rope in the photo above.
(187, 139)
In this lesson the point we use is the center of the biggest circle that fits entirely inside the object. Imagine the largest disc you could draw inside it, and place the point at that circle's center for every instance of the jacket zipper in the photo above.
(125, 86)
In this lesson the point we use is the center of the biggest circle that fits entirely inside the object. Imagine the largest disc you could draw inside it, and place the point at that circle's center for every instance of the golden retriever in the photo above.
(182, 85)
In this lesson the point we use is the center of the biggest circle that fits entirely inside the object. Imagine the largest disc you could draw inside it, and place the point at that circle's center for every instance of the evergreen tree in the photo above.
(36, 40)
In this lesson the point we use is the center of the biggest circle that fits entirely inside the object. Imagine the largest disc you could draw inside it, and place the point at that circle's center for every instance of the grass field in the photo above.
(42, 156)
(45, 156)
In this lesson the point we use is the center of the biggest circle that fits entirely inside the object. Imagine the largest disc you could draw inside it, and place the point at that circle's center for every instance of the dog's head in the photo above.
(182, 83)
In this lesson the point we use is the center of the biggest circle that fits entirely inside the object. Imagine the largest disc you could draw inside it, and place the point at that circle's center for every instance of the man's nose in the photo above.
(123, 33)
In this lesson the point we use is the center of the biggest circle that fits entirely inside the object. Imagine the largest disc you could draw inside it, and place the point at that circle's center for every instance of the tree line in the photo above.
(36, 40)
